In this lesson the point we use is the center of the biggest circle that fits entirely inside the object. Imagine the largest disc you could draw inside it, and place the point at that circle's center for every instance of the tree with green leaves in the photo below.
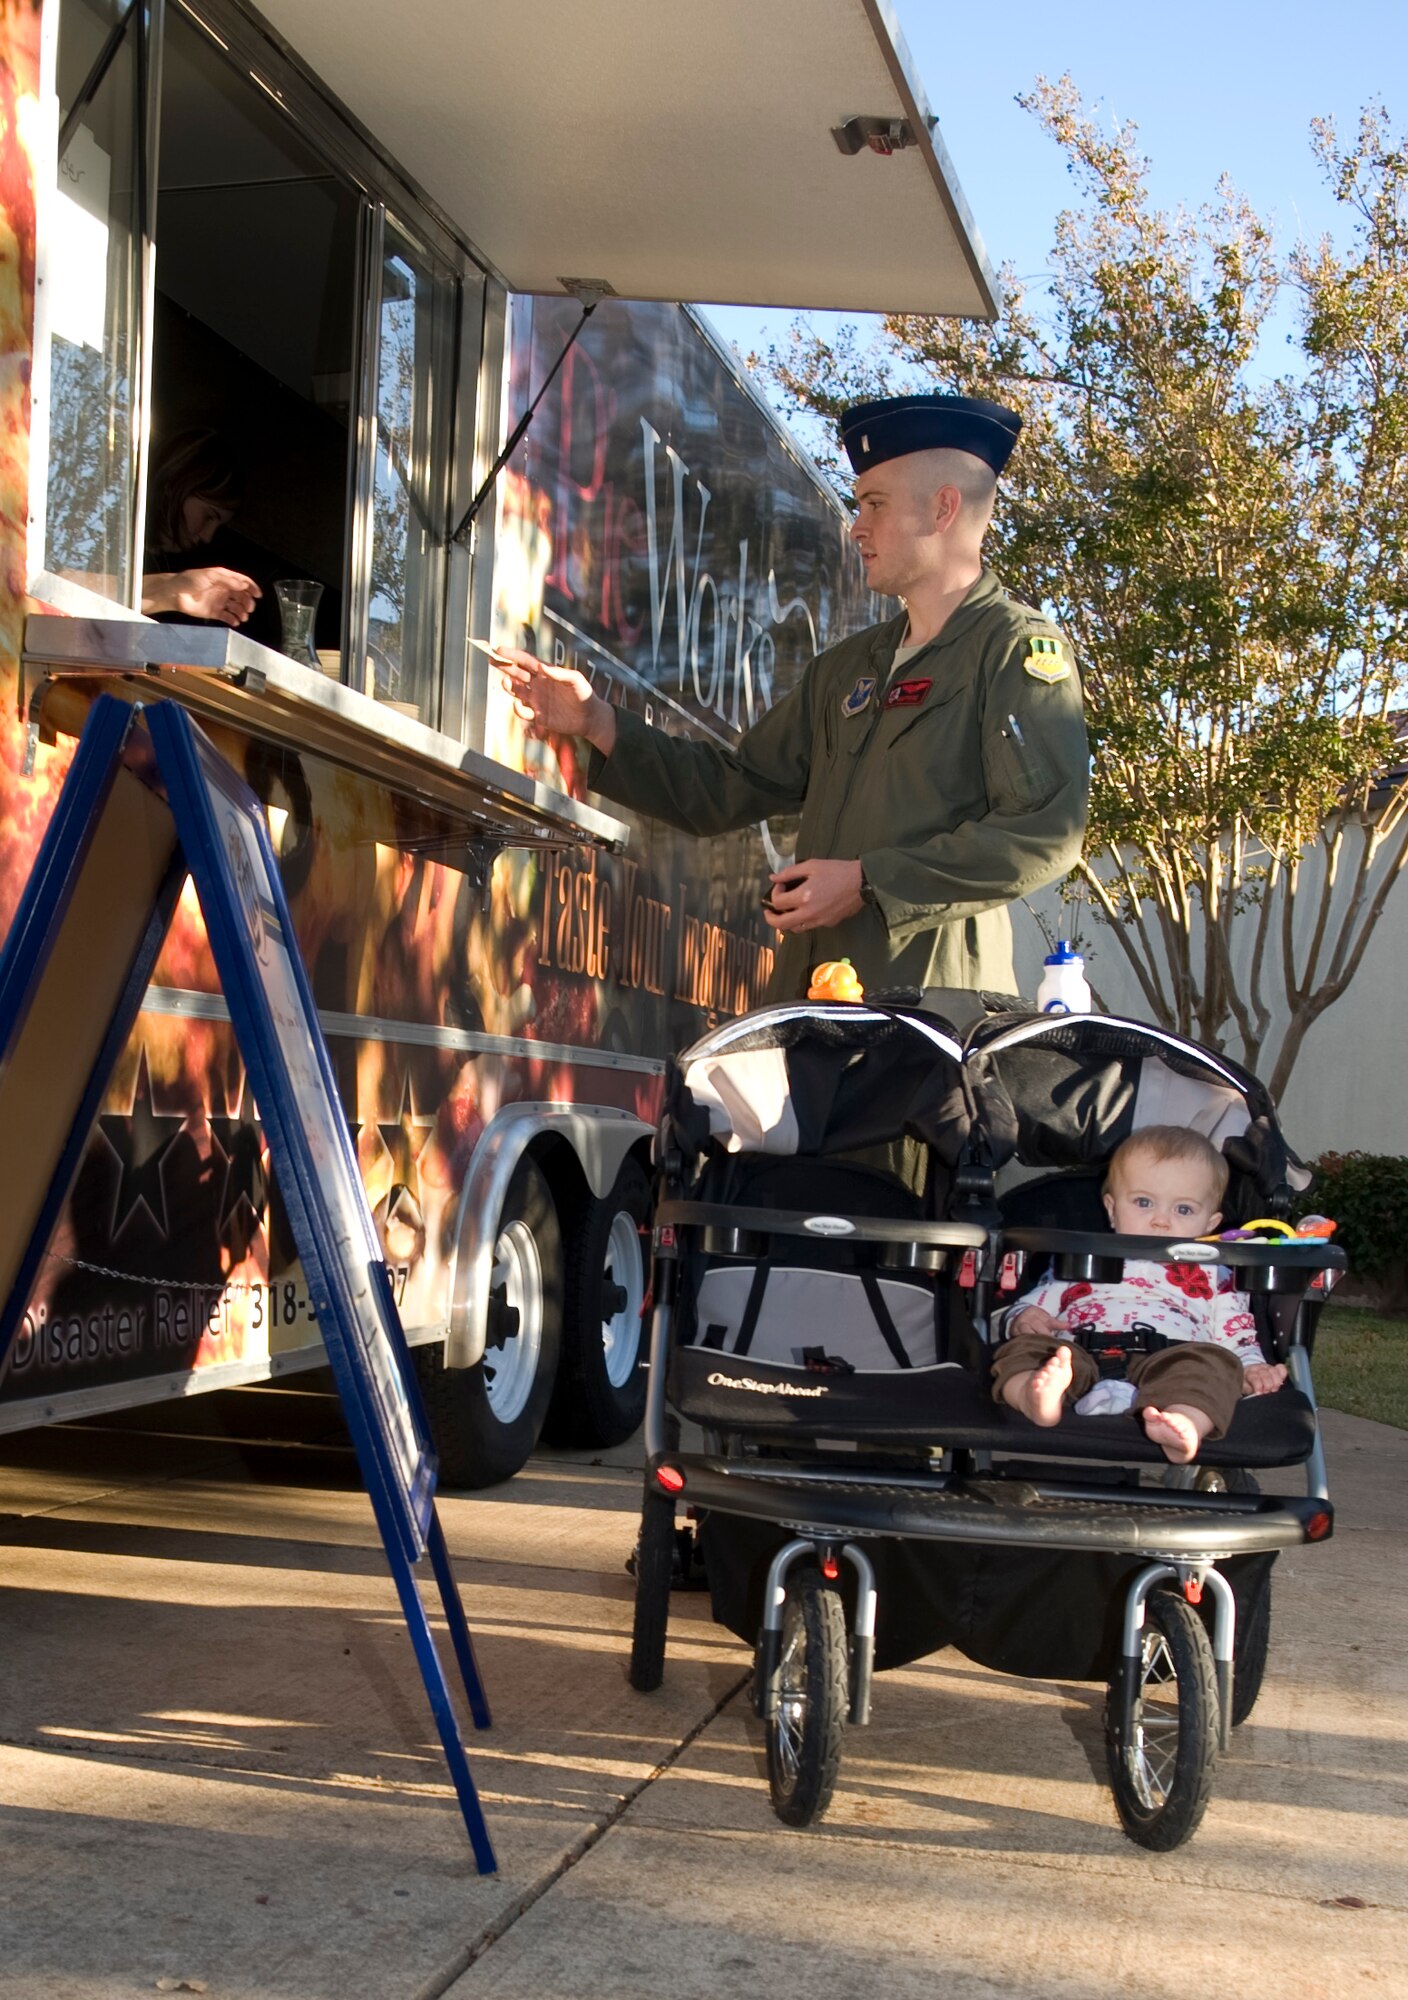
(1227, 550)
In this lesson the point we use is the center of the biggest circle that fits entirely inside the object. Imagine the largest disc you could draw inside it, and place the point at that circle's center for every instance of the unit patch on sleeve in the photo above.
(1046, 660)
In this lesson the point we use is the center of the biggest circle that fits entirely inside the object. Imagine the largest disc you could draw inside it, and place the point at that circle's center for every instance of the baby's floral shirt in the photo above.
(1180, 1301)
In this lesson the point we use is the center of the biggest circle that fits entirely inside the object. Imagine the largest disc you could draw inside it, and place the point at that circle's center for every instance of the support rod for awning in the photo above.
(92, 83)
(519, 428)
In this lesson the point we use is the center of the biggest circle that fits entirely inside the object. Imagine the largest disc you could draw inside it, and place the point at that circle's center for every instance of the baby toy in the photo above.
(1268, 1229)
(835, 979)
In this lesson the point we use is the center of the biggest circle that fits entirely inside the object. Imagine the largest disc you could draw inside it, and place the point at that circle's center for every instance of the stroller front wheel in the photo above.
(655, 1552)
(1162, 1727)
(808, 1717)
(1253, 1646)
(1253, 1607)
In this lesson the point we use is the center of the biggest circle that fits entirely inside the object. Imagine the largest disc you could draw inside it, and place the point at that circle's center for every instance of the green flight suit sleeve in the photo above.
(701, 787)
(1036, 772)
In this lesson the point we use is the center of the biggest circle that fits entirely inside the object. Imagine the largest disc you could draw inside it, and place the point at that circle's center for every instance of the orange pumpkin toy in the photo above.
(835, 979)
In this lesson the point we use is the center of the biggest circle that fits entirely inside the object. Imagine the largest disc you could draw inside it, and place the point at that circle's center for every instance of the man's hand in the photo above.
(1263, 1378)
(219, 594)
(1034, 1319)
(555, 701)
(811, 894)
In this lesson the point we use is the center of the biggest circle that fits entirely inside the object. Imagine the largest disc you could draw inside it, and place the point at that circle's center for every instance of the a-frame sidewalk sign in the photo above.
(147, 800)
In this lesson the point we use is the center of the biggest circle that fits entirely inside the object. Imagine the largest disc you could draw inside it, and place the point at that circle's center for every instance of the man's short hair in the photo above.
(1170, 1142)
(976, 482)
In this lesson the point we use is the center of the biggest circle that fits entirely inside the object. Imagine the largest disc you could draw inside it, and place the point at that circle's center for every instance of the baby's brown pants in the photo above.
(1191, 1372)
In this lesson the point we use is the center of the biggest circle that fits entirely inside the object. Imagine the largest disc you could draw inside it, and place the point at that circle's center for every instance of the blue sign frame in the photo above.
(225, 839)
(217, 831)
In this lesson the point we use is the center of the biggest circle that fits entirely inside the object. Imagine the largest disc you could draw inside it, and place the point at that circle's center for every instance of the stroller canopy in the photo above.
(1067, 1090)
(819, 1079)
(1035, 1091)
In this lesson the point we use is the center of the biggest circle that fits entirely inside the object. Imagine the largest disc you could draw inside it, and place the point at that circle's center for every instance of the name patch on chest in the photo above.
(859, 697)
(907, 694)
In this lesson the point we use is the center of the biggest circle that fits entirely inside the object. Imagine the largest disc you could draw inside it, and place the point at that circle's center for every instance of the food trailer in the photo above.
(413, 278)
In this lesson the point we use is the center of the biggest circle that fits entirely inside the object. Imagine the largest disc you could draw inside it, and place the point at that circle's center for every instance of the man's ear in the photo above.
(948, 505)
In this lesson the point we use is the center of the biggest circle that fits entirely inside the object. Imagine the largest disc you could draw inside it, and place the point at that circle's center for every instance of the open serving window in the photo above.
(240, 309)
(266, 346)
(258, 351)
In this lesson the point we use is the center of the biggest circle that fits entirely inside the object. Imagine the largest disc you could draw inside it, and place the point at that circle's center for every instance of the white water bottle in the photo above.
(1063, 988)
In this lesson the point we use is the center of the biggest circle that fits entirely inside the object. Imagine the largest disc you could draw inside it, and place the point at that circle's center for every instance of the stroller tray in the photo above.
(1006, 1512)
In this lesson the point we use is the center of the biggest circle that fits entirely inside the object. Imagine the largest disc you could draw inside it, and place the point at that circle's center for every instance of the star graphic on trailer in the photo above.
(399, 1141)
(140, 1139)
(241, 1144)
(240, 1141)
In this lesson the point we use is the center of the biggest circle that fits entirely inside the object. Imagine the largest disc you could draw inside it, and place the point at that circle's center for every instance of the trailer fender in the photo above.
(599, 1135)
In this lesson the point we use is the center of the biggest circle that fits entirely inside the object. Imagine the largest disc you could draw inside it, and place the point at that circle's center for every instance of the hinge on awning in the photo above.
(591, 292)
(881, 135)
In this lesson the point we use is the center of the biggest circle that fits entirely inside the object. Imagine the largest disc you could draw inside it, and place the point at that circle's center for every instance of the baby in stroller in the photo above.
(1177, 1339)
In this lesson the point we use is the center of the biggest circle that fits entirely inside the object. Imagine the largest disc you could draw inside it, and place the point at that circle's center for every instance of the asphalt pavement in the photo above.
(218, 1771)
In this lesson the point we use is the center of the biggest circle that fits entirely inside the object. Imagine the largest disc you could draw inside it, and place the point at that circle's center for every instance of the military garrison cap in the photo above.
(875, 432)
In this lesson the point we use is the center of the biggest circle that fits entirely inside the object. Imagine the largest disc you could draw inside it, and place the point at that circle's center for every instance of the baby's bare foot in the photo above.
(1046, 1390)
(1174, 1432)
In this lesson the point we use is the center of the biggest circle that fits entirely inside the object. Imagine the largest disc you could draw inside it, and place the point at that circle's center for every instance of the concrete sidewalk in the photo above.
(217, 1763)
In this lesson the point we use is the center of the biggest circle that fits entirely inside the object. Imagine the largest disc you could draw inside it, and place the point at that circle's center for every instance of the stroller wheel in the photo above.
(805, 1725)
(1254, 1609)
(1161, 1746)
(654, 1559)
(1253, 1645)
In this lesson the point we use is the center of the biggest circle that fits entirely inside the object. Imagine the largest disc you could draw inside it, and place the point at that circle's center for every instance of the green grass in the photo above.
(1360, 1364)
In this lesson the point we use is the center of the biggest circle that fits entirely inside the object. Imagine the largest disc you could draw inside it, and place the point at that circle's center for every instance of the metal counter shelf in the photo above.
(225, 678)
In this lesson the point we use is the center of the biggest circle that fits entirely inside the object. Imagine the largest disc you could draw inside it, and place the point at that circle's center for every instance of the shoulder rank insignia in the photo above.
(1046, 660)
(859, 696)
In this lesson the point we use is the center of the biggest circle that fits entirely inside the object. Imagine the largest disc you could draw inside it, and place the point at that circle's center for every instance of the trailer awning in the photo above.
(672, 151)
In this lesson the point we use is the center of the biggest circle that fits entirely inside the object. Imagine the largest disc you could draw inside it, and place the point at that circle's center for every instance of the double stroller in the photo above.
(846, 1195)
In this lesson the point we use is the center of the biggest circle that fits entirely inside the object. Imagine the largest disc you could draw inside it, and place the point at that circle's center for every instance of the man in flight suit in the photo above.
(938, 760)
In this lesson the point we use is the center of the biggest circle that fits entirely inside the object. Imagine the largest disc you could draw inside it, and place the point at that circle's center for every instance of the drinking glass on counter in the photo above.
(298, 610)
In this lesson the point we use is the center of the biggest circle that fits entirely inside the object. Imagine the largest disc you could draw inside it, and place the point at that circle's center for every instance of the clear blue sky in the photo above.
(1212, 88)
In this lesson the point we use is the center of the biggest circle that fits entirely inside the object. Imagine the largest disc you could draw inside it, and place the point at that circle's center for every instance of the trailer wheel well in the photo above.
(561, 1167)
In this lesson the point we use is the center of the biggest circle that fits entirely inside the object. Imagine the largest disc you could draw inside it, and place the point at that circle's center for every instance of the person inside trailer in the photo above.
(1182, 1341)
(197, 487)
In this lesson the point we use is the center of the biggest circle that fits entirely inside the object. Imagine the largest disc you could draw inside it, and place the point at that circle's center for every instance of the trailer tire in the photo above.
(486, 1420)
(599, 1399)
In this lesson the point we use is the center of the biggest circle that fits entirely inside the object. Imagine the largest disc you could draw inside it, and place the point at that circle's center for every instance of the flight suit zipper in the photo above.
(848, 749)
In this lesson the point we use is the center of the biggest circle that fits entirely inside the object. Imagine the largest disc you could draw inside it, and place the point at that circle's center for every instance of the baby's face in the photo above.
(1161, 1198)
